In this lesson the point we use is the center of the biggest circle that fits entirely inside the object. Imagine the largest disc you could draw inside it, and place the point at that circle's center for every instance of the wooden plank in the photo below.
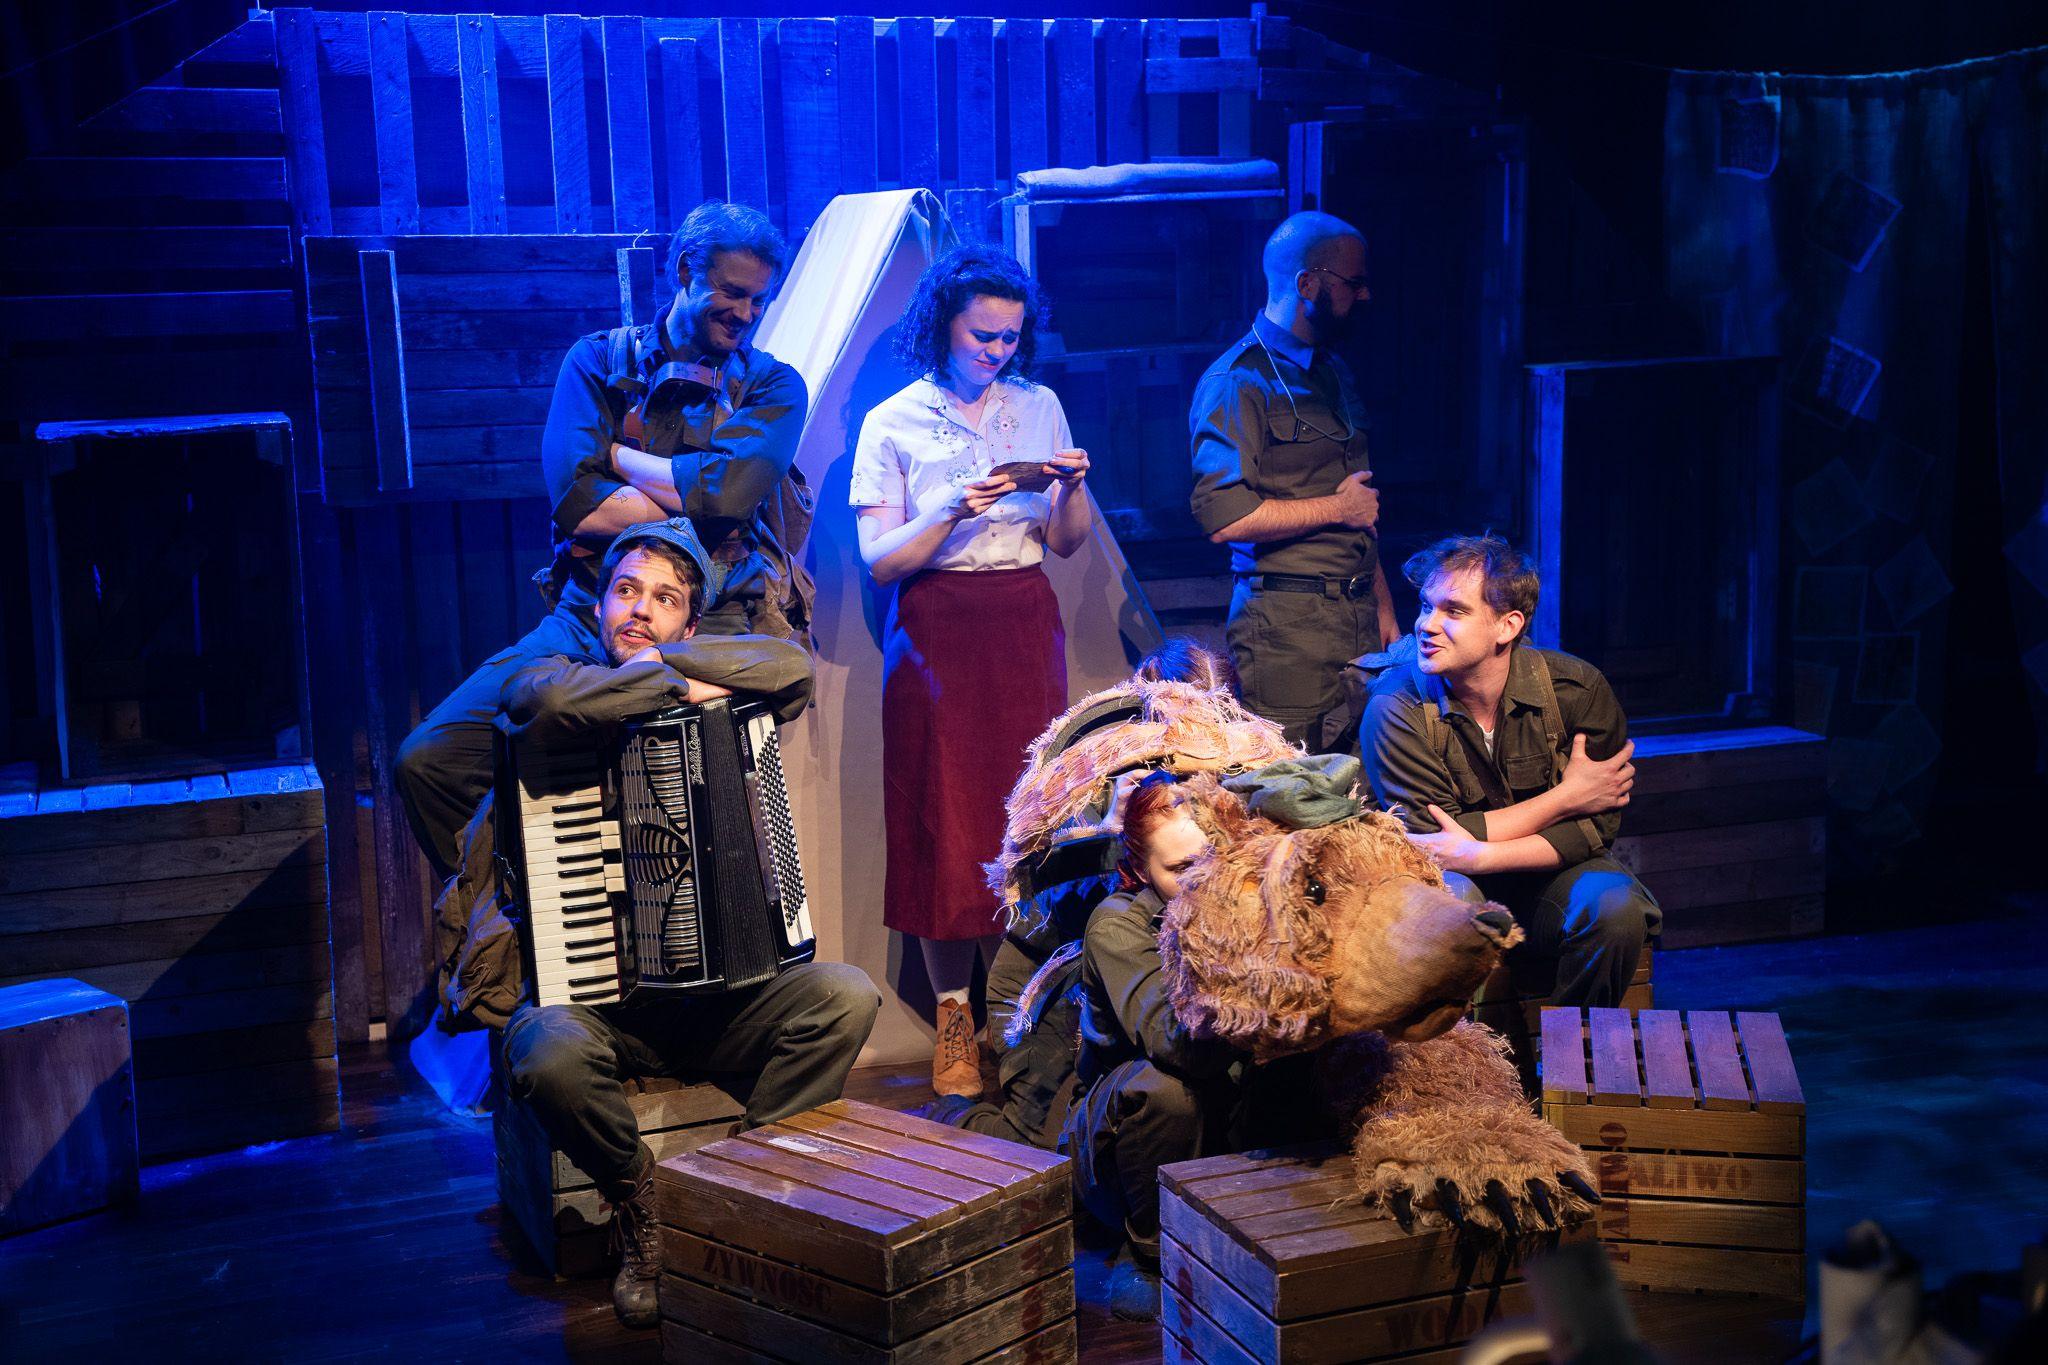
(905, 1147)
(390, 421)
(860, 1313)
(1682, 1175)
(1702, 1222)
(1615, 1078)
(47, 250)
(298, 85)
(300, 1002)
(268, 882)
(1716, 846)
(1685, 888)
(625, 102)
(807, 56)
(1187, 1333)
(185, 111)
(1162, 107)
(104, 316)
(568, 129)
(1722, 1084)
(958, 1194)
(67, 179)
(171, 819)
(1024, 45)
(203, 973)
(1030, 1164)
(229, 1048)
(115, 867)
(1770, 1063)
(60, 952)
(1123, 84)
(746, 141)
(1714, 1269)
(684, 130)
(1667, 1074)
(638, 298)
(858, 143)
(1073, 55)
(973, 1335)
(1733, 1133)
(1724, 758)
(430, 256)
(1563, 1063)
(243, 1086)
(974, 83)
(398, 189)
(1201, 75)
(917, 102)
(793, 1157)
(1780, 917)
(1234, 107)
(483, 137)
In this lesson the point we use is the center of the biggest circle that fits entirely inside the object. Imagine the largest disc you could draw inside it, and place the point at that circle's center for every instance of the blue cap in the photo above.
(676, 531)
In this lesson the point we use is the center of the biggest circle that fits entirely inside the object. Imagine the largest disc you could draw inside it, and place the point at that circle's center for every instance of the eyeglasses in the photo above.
(1355, 283)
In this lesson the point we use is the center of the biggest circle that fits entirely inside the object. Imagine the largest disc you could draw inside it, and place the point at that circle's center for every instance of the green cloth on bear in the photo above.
(1305, 793)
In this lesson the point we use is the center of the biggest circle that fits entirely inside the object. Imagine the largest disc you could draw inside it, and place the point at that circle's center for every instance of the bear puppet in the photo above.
(1341, 938)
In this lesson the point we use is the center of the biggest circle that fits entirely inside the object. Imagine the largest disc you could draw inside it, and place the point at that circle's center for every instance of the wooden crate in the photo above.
(1697, 1128)
(855, 1233)
(1271, 1256)
(1728, 829)
(67, 1091)
(555, 1206)
(202, 902)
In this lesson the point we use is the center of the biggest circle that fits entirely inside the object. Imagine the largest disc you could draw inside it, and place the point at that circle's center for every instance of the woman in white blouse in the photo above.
(962, 481)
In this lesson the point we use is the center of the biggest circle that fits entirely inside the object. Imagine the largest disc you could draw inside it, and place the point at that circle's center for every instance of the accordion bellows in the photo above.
(663, 861)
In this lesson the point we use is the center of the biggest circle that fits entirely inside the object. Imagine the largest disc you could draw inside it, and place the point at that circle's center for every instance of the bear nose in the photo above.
(1495, 924)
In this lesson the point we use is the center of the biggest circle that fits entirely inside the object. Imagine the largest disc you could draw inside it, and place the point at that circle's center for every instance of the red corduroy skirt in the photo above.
(974, 667)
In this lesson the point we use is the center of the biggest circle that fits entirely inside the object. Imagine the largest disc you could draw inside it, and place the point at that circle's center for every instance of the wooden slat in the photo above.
(166, 860)
(60, 952)
(1615, 1078)
(1692, 1269)
(1024, 45)
(638, 296)
(625, 102)
(568, 132)
(965, 1196)
(1667, 1074)
(1719, 845)
(1722, 1084)
(808, 56)
(1678, 1175)
(1073, 45)
(792, 1159)
(1770, 1063)
(302, 1002)
(482, 124)
(70, 317)
(1677, 1130)
(917, 102)
(202, 974)
(684, 129)
(1702, 1222)
(1123, 84)
(382, 328)
(68, 249)
(904, 1147)
(185, 111)
(298, 65)
(1234, 108)
(1030, 1164)
(746, 142)
(398, 186)
(1162, 110)
(1564, 1057)
(857, 118)
(974, 67)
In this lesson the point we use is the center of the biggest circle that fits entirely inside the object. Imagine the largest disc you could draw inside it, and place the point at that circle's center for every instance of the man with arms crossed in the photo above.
(795, 1037)
(1281, 476)
(1511, 764)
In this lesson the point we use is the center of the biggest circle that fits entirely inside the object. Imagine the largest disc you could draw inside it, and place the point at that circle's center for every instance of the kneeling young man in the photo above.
(795, 1036)
(1511, 764)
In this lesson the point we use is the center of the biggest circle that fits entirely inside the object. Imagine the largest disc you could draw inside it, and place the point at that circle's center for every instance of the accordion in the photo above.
(664, 861)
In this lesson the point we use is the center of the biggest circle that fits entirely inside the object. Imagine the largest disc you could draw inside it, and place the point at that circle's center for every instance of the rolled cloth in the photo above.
(1305, 793)
(1158, 177)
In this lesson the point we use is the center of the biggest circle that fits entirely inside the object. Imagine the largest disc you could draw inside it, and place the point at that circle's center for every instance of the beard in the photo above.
(1328, 328)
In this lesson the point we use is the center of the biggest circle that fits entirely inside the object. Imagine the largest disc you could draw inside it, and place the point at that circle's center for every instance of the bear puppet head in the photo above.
(1283, 939)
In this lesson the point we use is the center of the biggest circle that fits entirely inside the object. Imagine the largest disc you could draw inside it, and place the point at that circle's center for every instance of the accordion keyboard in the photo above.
(571, 872)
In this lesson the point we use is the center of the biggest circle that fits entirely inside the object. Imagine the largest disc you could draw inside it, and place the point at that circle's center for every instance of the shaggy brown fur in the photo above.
(1344, 938)
(1184, 729)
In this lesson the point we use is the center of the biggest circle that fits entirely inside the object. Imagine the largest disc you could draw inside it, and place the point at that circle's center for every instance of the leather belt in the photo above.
(1322, 585)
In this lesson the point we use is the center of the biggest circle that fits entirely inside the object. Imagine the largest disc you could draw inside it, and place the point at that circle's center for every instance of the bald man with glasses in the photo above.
(1281, 476)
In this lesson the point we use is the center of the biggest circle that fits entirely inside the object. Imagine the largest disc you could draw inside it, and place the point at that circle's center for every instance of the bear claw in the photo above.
(1448, 1204)
(1578, 1186)
(1503, 1209)
(1399, 1203)
(1540, 1197)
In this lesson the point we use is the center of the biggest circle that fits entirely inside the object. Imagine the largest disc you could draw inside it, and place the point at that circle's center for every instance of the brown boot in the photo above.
(636, 1236)
(956, 1057)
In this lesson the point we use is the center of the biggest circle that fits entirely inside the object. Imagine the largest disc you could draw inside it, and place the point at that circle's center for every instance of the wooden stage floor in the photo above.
(1922, 1053)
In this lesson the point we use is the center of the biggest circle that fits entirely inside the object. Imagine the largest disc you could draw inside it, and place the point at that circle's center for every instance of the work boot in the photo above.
(636, 1236)
(1134, 1288)
(956, 1057)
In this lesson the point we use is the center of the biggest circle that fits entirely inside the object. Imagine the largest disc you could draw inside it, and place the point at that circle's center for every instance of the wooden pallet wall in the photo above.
(476, 123)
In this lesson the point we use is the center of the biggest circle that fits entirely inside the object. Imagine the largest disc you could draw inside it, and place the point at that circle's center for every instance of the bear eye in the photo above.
(1316, 890)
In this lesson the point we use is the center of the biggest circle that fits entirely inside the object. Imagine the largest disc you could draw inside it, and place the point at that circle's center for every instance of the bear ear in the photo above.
(1220, 814)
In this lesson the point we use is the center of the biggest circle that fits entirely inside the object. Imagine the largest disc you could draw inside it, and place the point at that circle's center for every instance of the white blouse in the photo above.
(917, 450)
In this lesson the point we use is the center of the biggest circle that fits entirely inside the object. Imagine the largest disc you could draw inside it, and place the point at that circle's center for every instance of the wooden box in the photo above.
(555, 1205)
(853, 1233)
(1273, 1256)
(67, 1103)
(202, 902)
(1728, 829)
(1697, 1129)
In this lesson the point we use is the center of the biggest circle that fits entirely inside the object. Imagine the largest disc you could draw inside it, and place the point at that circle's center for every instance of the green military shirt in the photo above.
(1250, 443)
(1409, 774)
